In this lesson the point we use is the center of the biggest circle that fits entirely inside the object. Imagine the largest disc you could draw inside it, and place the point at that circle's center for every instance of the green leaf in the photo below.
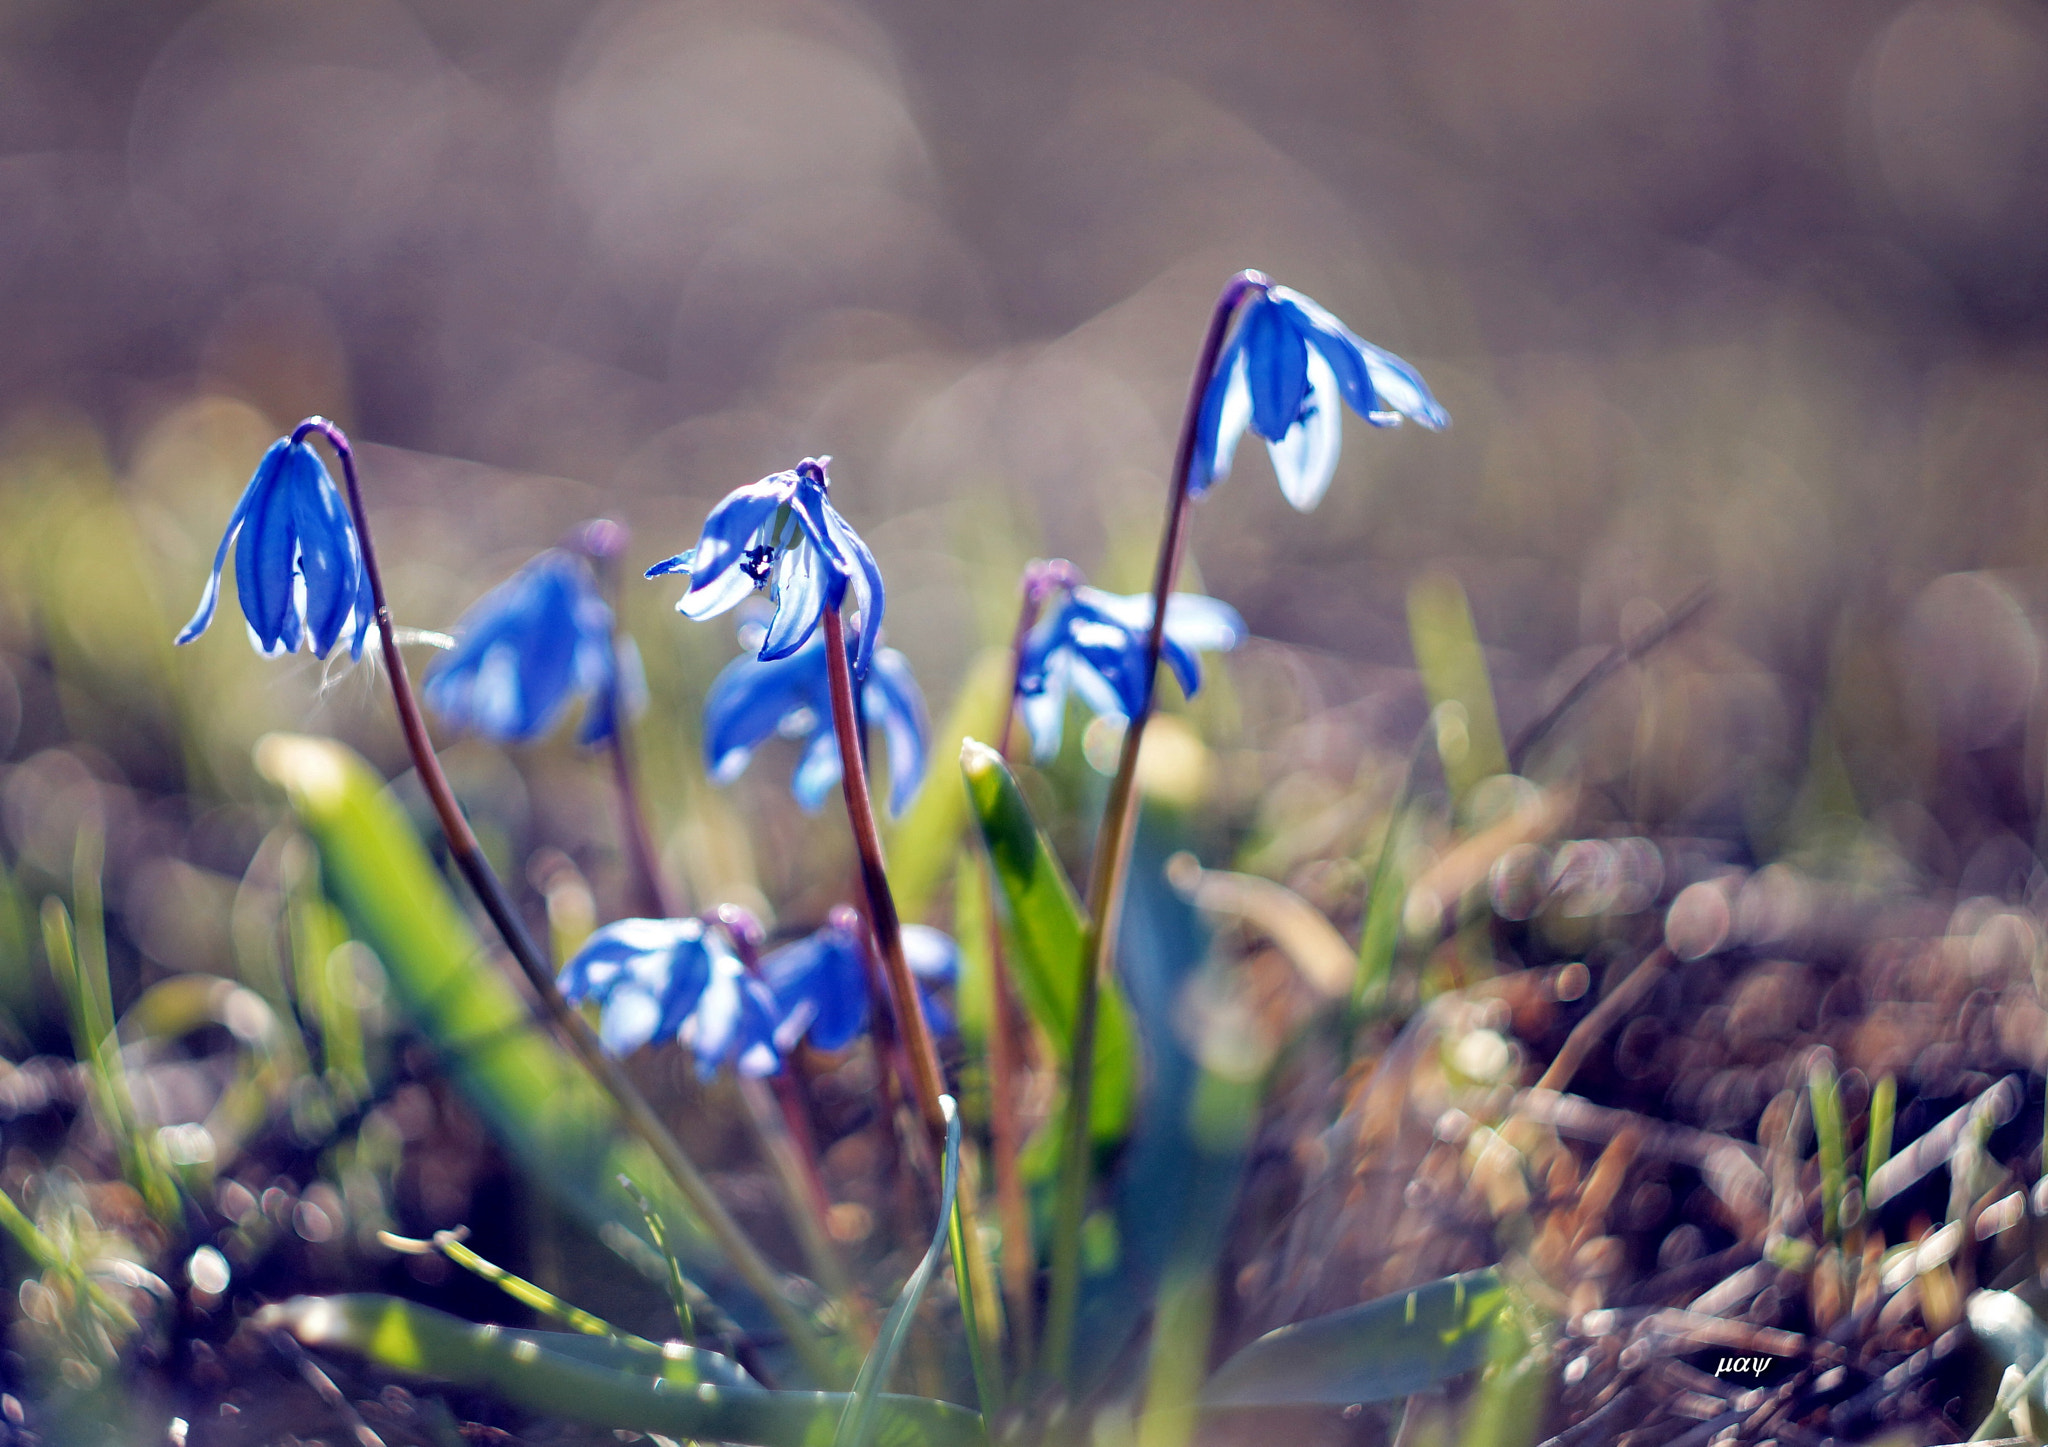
(605, 1383)
(1392, 1347)
(1047, 934)
(1453, 668)
(858, 1421)
(539, 1102)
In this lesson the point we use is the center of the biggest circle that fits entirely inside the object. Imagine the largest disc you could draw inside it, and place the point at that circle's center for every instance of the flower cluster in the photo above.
(783, 534)
(753, 701)
(681, 979)
(531, 647)
(299, 571)
(1094, 645)
(1284, 374)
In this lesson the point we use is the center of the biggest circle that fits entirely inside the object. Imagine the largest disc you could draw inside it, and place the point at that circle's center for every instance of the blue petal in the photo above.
(867, 587)
(1306, 458)
(1369, 376)
(931, 954)
(748, 702)
(264, 563)
(734, 1019)
(1208, 624)
(202, 617)
(730, 587)
(821, 988)
(365, 612)
(1226, 412)
(1276, 366)
(817, 771)
(1045, 707)
(800, 593)
(329, 560)
(730, 528)
(894, 700)
(628, 1020)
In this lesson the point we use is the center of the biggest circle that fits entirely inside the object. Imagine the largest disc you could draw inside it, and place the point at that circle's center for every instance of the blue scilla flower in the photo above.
(752, 701)
(299, 572)
(659, 979)
(821, 981)
(528, 649)
(1094, 645)
(1283, 375)
(783, 534)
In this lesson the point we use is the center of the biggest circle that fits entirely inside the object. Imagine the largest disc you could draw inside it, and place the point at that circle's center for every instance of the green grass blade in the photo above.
(1383, 1350)
(547, 1111)
(585, 1379)
(74, 960)
(1877, 1147)
(678, 1289)
(857, 1423)
(1829, 1134)
(1453, 668)
(1044, 923)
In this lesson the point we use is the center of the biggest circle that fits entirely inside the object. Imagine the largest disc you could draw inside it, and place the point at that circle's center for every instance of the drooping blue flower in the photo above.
(1284, 375)
(783, 534)
(659, 979)
(299, 571)
(1094, 644)
(753, 701)
(821, 981)
(528, 649)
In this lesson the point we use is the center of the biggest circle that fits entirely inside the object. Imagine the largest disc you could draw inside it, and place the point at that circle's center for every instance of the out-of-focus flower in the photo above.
(753, 701)
(782, 533)
(299, 571)
(1283, 375)
(529, 648)
(656, 979)
(1094, 645)
(821, 981)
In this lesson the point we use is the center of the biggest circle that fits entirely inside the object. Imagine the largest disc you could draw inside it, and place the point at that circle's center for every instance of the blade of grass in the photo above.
(678, 1290)
(1383, 1350)
(1453, 667)
(857, 1421)
(543, 1106)
(979, 1308)
(93, 1042)
(1045, 922)
(1829, 1137)
(545, 1374)
(1877, 1146)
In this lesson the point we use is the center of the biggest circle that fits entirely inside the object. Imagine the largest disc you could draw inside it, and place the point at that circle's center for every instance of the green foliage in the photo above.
(542, 1106)
(604, 1382)
(1385, 1349)
(858, 1423)
(1047, 934)
(1453, 667)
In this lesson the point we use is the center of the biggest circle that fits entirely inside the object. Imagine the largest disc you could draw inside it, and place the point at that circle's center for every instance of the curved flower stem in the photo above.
(927, 1083)
(1112, 855)
(639, 1117)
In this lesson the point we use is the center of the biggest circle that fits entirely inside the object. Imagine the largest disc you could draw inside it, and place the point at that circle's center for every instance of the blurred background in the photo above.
(1717, 294)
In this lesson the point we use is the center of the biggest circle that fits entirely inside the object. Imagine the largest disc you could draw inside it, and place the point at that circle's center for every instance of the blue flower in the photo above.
(1094, 645)
(529, 648)
(1283, 375)
(299, 572)
(655, 979)
(821, 981)
(751, 702)
(782, 533)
